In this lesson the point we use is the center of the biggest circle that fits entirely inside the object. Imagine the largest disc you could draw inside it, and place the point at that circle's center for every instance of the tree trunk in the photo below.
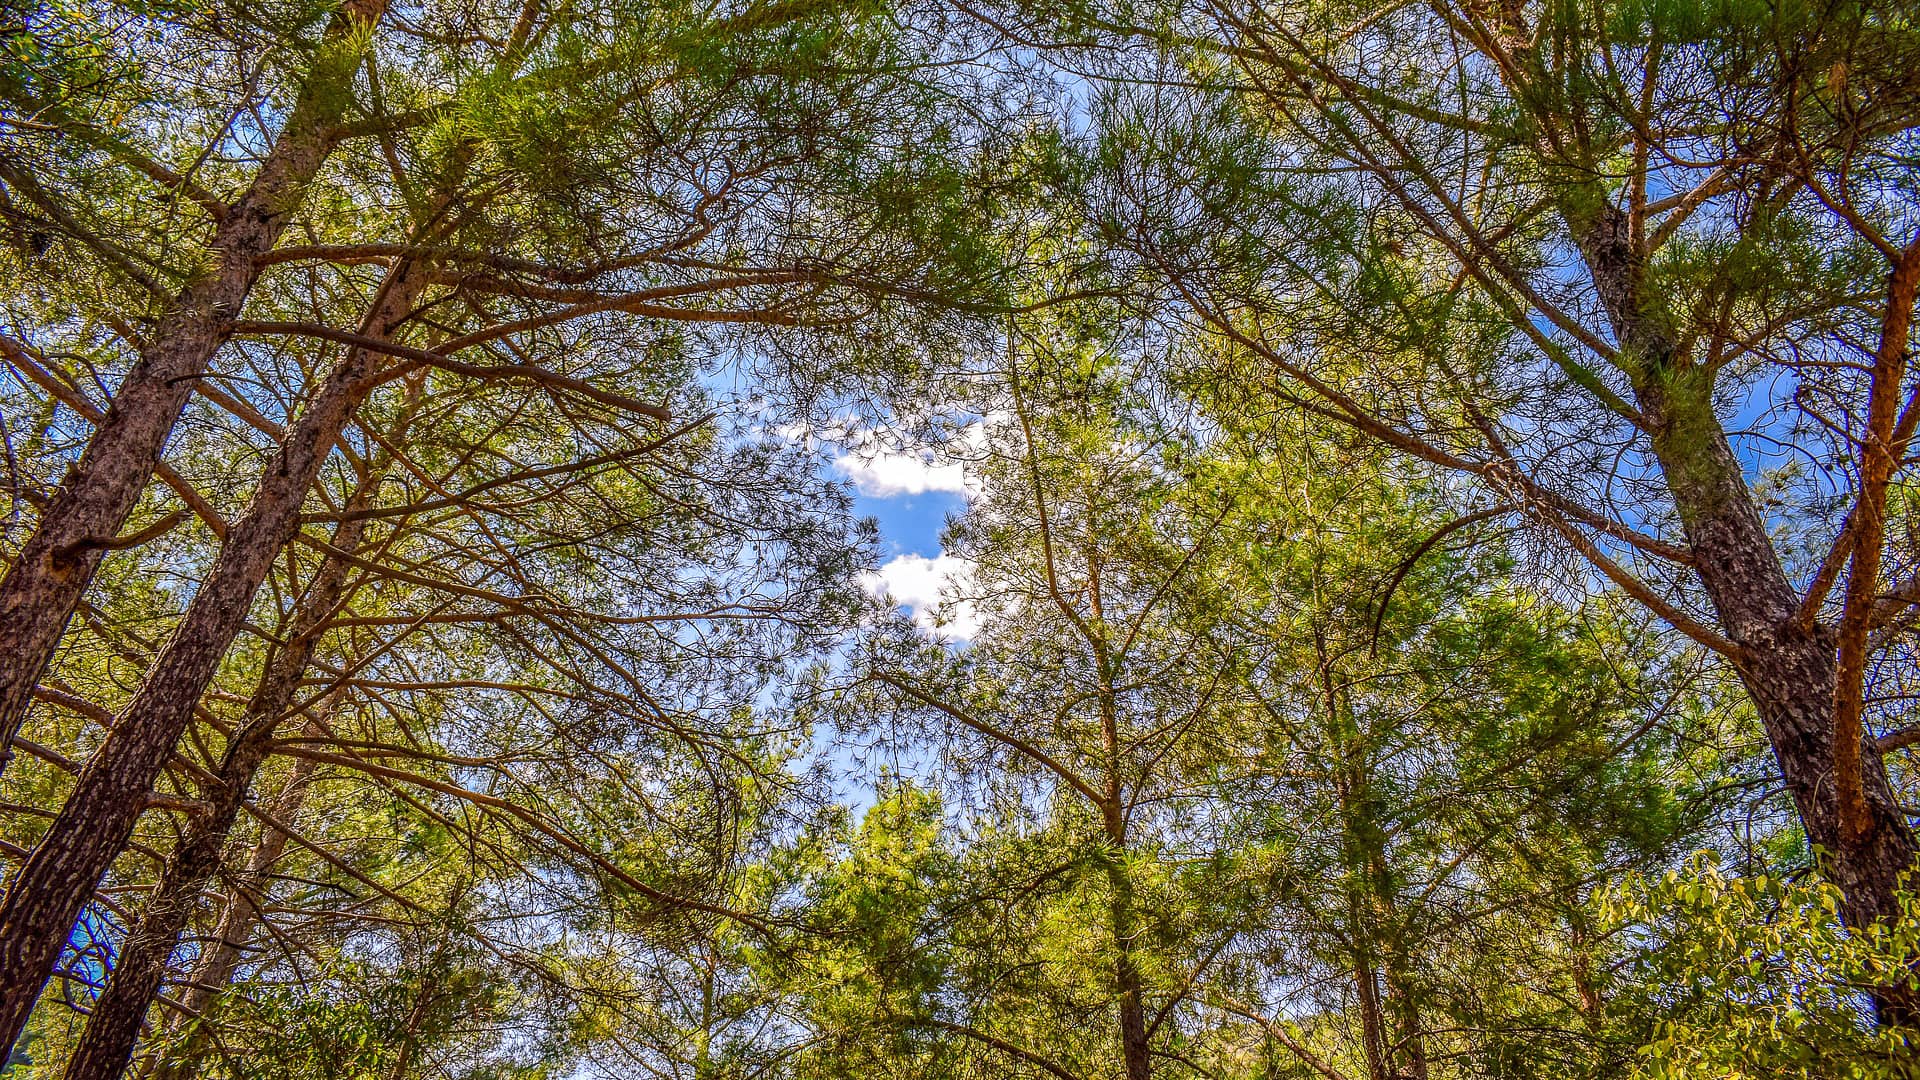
(1134, 1049)
(1373, 1025)
(1136, 1053)
(1789, 675)
(1789, 672)
(221, 958)
(1411, 1046)
(54, 567)
(410, 1037)
(1363, 925)
(1791, 684)
(107, 1042)
(1387, 926)
(93, 826)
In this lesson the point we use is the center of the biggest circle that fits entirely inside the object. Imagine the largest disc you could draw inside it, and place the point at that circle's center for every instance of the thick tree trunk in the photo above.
(1789, 672)
(1789, 675)
(54, 567)
(93, 826)
(223, 951)
(107, 1042)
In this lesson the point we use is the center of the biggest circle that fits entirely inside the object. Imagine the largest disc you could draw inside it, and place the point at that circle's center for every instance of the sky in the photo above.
(910, 492)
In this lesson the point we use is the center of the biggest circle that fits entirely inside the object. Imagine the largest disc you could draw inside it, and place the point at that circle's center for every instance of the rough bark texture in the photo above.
(1789, 672)
(94, 824)
(224, 950)
(106, 1044)
(41, 588)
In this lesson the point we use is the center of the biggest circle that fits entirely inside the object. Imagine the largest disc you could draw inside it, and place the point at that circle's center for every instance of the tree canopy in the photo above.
(793, 539)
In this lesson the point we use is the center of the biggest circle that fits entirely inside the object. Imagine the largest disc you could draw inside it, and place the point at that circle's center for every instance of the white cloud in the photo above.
(888, 473)
(882, 469)
(929, 588)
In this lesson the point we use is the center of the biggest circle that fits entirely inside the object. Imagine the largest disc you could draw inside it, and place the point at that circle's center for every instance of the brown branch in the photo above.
(1642, 592)
(1026, 749)
(1279, 1035)
(1885, 744)
(441, 360)
(538, 823)
(68, 552)
(1343, 409)
(541, 376)
(1878, 461)
(1002, 1045)
(215, 207)
(22, 360)
(1406, 565)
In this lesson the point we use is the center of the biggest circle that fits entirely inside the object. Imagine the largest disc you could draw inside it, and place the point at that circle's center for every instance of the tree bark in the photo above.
(54, 567)
(410, 1038)
(222, 955)
(1879, 454)
(107, 1043)
(1383, 923)
(1789, 671)
(94, 824)
(1135, 1051)
(1356, 855)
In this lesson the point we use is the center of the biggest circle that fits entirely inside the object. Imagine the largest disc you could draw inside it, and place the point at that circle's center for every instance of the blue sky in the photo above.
(911, 524)
(910, 491)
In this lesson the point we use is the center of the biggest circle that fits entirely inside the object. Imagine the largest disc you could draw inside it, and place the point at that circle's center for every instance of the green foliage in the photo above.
(1740, 977)
(1288, 738)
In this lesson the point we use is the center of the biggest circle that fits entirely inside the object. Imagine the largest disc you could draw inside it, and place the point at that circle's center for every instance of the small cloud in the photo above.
(930, 588)
(881, 468)
(887, 473)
